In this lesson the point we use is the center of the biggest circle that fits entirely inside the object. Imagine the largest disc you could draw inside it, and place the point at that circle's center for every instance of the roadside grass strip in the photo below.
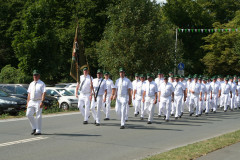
(199, 149)
(22, 141)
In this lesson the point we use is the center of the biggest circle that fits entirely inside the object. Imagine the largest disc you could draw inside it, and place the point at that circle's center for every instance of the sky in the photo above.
(161, 1)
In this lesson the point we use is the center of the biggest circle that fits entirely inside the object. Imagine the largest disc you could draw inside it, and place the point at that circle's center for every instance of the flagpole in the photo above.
(175, 61)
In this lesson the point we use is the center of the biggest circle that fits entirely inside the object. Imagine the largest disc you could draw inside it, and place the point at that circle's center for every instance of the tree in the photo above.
(222, 49)
(137, 37)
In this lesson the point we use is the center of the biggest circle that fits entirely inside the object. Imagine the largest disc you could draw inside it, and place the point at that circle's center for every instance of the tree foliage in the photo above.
(137, 38)
(222, 49)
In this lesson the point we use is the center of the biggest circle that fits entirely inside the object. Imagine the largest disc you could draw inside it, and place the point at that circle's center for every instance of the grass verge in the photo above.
(199, 149)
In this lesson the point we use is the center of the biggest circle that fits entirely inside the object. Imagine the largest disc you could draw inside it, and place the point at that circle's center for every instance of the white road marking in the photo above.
(22, 141)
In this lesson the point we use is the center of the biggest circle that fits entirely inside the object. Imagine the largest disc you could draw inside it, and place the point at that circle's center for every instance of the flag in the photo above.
(79, 60)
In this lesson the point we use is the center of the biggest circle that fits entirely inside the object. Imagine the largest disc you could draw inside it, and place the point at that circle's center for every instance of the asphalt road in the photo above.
(65, 137)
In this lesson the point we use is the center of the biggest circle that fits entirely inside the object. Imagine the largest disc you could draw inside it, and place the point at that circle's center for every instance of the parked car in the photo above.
(62, 85)
(72, 90)
(65, 98)
(19, 91)
(10, 104)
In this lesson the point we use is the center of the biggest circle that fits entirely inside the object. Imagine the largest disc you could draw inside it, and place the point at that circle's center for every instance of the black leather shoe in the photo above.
(172, 114)
(159, 115)
(176, 117)
(149, 122)
(167, 120)
(141, 118)
(214, 112)
(181, 114)
(190, 114)
(97, 124)
(135, 115)
(36, 134)
(85, 122)
(33, 132)
(106, 119)
(196, 115)
(164, 117)
(225, 110)
(122, 127)
(126, 120)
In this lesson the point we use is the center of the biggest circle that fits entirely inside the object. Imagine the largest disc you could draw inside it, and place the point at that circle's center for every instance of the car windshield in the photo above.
(3, 94)
(64, 92)
(8, 89)
(21, 90)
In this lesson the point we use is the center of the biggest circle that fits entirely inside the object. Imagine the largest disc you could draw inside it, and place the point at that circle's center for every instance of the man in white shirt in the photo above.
(158, 81)
(226, 90)
(134, 84)
(188, 93)
(110, 91)
(179, 96)
(36, 96)
(122, 95)
(166, 96)
(100, 89)
(149, 97)
(216, 92)
(85, 87)
(204, 95)
(208, 95)
(233, 87)
(237, 94)
(137, 95)
(196, 95)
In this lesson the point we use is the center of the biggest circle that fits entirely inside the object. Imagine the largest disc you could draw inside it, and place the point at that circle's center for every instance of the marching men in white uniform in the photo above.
(208, 96)
(166, 96)
(100, 89)
(122, 95)
(226, 91)
(179, 96)
(36, 96)
(110, 91)
(85, 87)
(196, 95)
(216, 92)
(137, 95)
(149, 97)
(134, 84)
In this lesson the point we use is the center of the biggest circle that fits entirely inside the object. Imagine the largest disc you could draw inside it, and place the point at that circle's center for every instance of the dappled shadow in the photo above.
(70, 134)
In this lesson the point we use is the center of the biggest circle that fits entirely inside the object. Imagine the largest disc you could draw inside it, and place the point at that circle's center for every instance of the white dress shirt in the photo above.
(96, 85)
(85, 84)
(110, 86)
(226, 88)
(166, 89)
(150, 88)
(179, 88)
(122, 85)
(36, 89)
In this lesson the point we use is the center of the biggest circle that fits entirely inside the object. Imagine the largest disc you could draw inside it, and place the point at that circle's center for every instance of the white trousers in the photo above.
(34, 107)
(214, 101)
(108, 106)
(207, 103)
(98, 104)
(233, 103)
(165, 103)
(150, 106)
(194, 102)
(178, 104)
(121, 105)
(225, 100)
(84, 100)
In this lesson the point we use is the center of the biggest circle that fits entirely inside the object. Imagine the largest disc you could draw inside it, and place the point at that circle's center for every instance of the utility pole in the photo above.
(175, 61)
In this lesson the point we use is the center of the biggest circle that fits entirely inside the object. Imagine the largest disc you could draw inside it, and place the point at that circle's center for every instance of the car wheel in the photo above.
(64, 106)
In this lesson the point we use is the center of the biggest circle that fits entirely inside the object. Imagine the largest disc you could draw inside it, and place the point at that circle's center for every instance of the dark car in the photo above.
(10, 104)
(21, 92)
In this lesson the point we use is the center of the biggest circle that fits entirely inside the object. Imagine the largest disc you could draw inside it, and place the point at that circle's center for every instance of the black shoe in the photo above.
(181, 114)
(214, 112)
(238, 107)
(97, 124)
(33, 132)
(167, 120)
(164, 117)
(204, 110)
(106, 119)
(122, 127)
(225, 110)
(176, 117)
(211, 110)
(135, 115)
(196, 115)
(126, 120)
(141, 118)
(172, 114)
(159, 115)
(36, 134)
(85, 122)
(190, 114)
(235, 108)
(149, 122)
(206, 113)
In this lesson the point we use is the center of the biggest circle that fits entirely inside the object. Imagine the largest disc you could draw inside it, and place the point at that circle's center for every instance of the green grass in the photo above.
(199, 149)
